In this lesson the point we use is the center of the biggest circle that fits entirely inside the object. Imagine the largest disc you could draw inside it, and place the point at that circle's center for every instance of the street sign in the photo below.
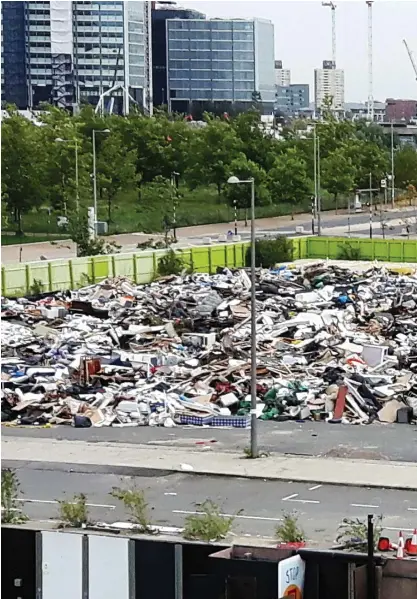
(291, 573)
(383, 183)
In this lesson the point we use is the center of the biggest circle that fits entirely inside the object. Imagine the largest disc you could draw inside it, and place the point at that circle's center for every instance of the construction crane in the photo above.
(332, 5)
(410, 54)
(370, 64)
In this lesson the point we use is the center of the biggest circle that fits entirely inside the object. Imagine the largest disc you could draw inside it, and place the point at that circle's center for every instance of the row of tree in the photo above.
(39, 166)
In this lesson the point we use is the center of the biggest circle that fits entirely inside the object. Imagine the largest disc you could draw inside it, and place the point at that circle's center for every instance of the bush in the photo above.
(10, 513)
(74, 513)
(288, 531)
(137, 506)
(208, 524)
(348, 252)
(170, 264)
(268, 252)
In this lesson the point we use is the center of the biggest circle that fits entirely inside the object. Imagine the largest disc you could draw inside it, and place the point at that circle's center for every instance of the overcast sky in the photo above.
(303, 40)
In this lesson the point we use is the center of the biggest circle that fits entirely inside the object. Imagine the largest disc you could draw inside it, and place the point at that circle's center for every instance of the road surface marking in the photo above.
(398, 529)
(55, 502)
(305, 500)
(412, 509)
(315, 487)
(188, 513)
(289, 497)
(173, 494)
(363, 505)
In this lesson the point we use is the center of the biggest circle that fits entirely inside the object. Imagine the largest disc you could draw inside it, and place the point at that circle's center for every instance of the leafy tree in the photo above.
(338, 174)
(245, 169)
(405, 165)
(116, 170)
(211, 153)
(22, 166)
(368, 158)
(258, 145)
(288, 180)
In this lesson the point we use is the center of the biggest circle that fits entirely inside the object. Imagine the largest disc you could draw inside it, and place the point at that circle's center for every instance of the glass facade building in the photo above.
(76, 50)
(13, 56)
(218, 61)
(292, 98)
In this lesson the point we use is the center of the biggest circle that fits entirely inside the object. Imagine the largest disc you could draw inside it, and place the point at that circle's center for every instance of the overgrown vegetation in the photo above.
(74, 513)
(349, 252)
(289, 531)
(170, 264)
(353, 533)
(10, 510)
(36, 288)
(269, 252)
(136, 505)
(87, 246)
(208, 524)
(136, 160)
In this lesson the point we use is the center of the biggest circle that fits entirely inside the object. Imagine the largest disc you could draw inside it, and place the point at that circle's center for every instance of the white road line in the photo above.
(173, 494)
(289, 497)
(55, 502)
(315, 487)
(305, 500)
(187, 513)
(363, 505)
(398, 529)
(412, 509)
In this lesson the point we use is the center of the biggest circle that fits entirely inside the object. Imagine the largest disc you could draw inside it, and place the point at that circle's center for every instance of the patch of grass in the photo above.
(74, 513)
(36, 288)
(353, 533)
(289, 531)
(135, 503)
(10, 506)
(208, 524)
(170, 264)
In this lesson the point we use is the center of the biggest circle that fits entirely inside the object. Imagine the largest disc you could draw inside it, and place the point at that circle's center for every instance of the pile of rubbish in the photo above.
(332, 345)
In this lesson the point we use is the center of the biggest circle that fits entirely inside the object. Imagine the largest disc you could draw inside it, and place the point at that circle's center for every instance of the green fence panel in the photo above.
(201, 259)
(123, 265)
(410, 251)
(101, 267)
(381, 250)
(14, 280)
(144, 267)
(187, 256)
(82, 271)
(60, 275)
(38, 276)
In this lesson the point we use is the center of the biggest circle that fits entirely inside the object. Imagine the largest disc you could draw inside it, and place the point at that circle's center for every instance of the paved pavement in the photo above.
(332, 224)
(320, 508)
(373, 442)
(203, 459)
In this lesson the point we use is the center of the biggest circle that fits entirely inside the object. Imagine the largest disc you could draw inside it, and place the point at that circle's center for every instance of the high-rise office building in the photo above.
(161, 11)
(13, 55)
(282, 76)
(75, 51)
(218, 61)
(292, 99)
(329, 83)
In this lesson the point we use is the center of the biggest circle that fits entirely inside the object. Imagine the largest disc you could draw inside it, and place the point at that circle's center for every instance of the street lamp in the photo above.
(77, 193)
(253, 431)
(174, 180)
(104, 132)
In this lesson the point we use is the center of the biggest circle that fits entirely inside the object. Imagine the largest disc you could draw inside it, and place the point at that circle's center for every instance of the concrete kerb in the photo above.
(139, 460)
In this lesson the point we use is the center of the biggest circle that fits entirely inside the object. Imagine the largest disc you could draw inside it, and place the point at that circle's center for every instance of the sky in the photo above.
(303, 40)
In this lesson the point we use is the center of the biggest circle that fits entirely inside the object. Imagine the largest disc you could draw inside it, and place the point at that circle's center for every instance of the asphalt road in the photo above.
(373, 442)
(260, 504)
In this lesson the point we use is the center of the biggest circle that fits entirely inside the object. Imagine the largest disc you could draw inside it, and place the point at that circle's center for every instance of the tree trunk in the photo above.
(335, 201)
(246, 217)
(109, 210)
(19, 222)
(219, 190)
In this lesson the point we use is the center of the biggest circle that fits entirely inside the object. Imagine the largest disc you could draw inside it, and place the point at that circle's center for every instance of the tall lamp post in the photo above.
(253, 431)
(77, 192)
(103, 132)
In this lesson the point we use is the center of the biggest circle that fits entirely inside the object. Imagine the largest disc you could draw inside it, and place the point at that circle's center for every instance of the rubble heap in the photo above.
(332, 345)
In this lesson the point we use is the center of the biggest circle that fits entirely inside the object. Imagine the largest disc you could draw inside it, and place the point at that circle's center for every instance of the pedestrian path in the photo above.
(363, 473)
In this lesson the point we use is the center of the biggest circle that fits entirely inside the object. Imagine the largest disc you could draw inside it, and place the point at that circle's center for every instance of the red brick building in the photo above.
(400, 110)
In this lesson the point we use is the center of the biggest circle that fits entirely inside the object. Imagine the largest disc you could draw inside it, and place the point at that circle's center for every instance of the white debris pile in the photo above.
(331, 345)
